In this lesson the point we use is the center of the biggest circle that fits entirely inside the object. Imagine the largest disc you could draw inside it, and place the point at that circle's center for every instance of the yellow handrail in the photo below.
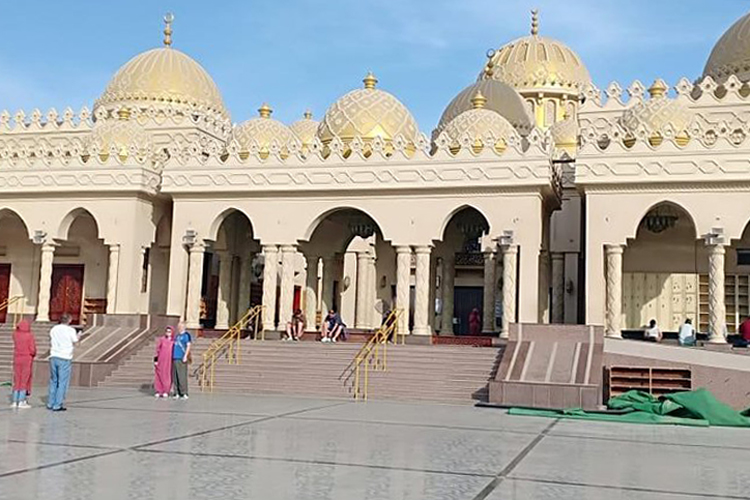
(5, 305)
(374, 352)
(229, 343)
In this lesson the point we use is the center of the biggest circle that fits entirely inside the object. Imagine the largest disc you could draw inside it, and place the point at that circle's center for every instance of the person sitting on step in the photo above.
(687, 336)
(295, 328)
(333, 327)
(652, 333)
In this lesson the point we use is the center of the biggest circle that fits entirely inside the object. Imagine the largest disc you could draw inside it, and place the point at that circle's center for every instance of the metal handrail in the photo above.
(229, 343)
(373, 353)
(5, 305)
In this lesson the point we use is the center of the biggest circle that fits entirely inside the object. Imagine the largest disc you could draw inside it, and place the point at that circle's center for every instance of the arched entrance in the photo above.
(18, 274)
(466, 265)
(665, 272)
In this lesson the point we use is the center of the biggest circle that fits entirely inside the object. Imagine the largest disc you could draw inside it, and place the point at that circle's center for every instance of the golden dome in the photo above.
(731, 54)
(476, 125)
(120, 135)
(655, 115)
(501, 98)
(537, 63)
(262, 132)
(305, 129)
(368, 113)
(163, 76)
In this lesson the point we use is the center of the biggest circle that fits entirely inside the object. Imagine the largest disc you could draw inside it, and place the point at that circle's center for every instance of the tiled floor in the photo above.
(127, 445)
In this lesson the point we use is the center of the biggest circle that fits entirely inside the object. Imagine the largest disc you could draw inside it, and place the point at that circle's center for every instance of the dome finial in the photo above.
(535, 22)
(265, 111)
(658, 89)
(370, 81)
(308, 115)
(168, 19)
(478, 101)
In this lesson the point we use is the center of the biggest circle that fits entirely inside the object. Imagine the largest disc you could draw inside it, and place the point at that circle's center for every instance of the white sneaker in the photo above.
(185, 397)
(157, 395)
(325, 339)
(14, 405)
(176, 396)
(165, 395)
(24, 404)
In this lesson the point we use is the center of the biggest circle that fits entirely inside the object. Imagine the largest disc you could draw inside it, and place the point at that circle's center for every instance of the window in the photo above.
(743, 256)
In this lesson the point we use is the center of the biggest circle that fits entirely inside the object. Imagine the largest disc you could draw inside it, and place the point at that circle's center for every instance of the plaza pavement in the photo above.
(126, 445)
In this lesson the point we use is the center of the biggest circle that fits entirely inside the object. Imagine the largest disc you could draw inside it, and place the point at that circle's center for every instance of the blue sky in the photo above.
(297, 54)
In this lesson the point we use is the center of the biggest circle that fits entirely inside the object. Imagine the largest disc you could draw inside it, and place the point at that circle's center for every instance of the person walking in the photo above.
(475, 322)
(163, 364)
(63, 337)
(180, 358)
(24, 352)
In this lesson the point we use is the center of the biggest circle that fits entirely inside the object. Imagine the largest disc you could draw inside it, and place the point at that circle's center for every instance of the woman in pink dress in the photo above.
(24, 351)
(163, 364)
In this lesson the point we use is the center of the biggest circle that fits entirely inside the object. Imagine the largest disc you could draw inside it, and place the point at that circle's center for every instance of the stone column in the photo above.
(114, 265)
(613, 262)
(270, 270)
(195, 280)
(449, 279)
(45, 281)
(558, 287)
(510, 270)
(311, 290)
(488, 306)
(422, 295)
(403, 275)
(243, 297)
(716, 293)
(286, 297)
(372, 292)
(360, 316)
(328, 277)
(225, 290)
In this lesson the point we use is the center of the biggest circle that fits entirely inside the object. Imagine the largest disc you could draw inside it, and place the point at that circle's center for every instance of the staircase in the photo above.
(41, 334)
(137, 371)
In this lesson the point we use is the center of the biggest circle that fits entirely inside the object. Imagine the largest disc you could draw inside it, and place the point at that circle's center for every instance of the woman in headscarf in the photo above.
(163, 364)
(24, 351)
(475, 322)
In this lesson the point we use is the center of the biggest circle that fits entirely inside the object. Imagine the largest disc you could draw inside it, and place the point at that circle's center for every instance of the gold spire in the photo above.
(478, 101)
(658, 88)
(308, 115)
(168, 19)
(370, 81)
(265, 111)
(535, 22)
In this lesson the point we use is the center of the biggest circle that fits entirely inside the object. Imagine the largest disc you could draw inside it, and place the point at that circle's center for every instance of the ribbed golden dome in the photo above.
(305, 129)
(731, 54)
(121, 135)
(368, 113)
(655, 114)
(501, 98)
(476, 125)
(163, 76)
(262, 132)
(537, 63)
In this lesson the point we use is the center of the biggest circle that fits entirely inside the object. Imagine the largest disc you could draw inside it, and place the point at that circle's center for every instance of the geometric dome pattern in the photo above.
(731, 54)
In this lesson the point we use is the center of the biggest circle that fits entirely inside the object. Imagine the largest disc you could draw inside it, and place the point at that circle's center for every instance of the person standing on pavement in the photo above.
(62, 339)
(24, 351)
(163, 363)
(180, 358)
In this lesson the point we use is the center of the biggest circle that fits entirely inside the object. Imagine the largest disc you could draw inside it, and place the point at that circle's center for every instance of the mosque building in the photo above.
(537, 198)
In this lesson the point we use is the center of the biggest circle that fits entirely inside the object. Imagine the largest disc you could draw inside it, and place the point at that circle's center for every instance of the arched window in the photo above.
(549, 112)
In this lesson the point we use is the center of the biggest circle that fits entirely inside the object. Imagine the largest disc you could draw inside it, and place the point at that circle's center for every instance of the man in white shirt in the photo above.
(686, 335)
(62, 337)
(652, 333)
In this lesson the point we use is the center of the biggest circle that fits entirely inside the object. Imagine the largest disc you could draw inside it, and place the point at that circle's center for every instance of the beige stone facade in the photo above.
(538, 198)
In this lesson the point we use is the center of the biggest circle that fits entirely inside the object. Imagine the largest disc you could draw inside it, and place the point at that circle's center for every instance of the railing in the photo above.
(5, 306)
(373, 355)
(229, 345)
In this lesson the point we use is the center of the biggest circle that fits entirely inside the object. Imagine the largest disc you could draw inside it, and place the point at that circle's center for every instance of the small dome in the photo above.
(262, 132)
(305, 129)
(163, 76)
(731, 54)
(655, 114)
(501, 98)
(476, 125)
(368, 113)
(537, 63)
(121, 134)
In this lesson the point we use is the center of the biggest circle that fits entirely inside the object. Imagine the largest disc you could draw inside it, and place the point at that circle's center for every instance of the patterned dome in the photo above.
(121, 134)
(262, 131)
(367, 113)
(476, 125)
(657, 113)
(305, 129)
(537, 63)
(501, 98)
(731, 54)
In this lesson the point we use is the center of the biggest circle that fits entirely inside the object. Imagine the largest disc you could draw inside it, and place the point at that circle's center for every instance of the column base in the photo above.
(504, 335)
(192, 326)
(221, 326)
(421, 331)
(613, 335)
(717, 339)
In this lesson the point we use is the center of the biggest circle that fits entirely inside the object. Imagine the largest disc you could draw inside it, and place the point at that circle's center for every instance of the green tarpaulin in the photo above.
(697, 408)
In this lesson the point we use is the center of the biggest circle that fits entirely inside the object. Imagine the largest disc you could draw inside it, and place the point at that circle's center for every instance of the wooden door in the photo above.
(4, 289)
(67, 291)
(465, 299)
